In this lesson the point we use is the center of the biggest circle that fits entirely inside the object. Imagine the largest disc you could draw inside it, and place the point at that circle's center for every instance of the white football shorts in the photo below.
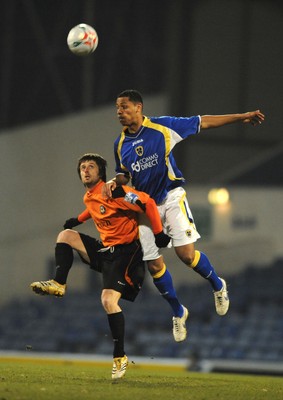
(177, 220)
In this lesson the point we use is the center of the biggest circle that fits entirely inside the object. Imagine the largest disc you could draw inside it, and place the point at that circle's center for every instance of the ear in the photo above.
(139, 107)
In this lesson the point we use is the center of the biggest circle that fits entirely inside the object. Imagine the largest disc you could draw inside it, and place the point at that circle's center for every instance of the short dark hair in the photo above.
(100, 161)
(133, 95)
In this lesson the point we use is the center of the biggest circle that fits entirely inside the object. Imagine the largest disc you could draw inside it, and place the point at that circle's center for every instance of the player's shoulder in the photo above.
(177, 124)
(156, 123)
(162, 120)
(117, 140)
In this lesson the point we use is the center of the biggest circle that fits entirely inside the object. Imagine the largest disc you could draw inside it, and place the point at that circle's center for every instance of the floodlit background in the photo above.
(187, 58)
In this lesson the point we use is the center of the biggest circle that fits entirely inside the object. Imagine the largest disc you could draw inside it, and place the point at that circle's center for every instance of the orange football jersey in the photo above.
(116, 218)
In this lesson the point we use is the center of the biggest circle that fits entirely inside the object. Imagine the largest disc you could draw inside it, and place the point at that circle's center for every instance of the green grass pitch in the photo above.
(67, 380)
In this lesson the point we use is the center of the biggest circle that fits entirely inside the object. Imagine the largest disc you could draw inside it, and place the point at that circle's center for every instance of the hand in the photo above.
(108, 188)
(254, 117)
(161, 239)
(70, 223)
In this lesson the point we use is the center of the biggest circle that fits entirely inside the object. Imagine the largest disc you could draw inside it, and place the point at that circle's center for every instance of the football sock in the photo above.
(117, 327)
(202, 266)
(164, 283)
(64, 259)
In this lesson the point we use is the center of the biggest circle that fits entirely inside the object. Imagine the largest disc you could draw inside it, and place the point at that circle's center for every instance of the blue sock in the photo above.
(164, 284)
(206, 270)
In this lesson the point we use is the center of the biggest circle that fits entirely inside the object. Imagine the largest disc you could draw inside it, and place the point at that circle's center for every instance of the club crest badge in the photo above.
(139, 150)
(102, 210)
(189, 233)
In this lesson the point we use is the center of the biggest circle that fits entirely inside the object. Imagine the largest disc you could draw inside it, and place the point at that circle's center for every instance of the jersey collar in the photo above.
(136, 134)
(96, 189)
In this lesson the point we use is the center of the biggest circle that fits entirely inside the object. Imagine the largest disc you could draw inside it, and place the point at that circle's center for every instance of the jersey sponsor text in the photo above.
(145, 163)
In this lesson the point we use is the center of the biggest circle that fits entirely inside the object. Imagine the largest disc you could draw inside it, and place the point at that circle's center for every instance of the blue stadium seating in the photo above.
(252, 330)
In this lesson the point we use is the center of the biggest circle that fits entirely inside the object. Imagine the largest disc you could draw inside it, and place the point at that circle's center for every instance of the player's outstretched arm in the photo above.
(214, 121)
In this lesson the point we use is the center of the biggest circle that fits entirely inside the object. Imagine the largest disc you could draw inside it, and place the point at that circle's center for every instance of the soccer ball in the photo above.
(82, 40)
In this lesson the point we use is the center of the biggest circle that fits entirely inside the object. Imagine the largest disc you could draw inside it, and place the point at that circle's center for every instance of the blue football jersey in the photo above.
(147, 154)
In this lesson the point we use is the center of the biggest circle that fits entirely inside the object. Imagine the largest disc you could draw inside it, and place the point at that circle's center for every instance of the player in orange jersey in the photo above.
(118, 255)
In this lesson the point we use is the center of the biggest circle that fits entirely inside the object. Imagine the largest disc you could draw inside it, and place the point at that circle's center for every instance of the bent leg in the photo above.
(73, 239)
(67, 240)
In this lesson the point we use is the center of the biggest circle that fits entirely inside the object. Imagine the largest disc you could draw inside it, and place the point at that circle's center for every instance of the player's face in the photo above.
(89, 173)
(129, 114)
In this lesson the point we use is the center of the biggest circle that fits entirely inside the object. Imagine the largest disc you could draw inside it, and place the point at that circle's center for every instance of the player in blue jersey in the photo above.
(143, 154)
